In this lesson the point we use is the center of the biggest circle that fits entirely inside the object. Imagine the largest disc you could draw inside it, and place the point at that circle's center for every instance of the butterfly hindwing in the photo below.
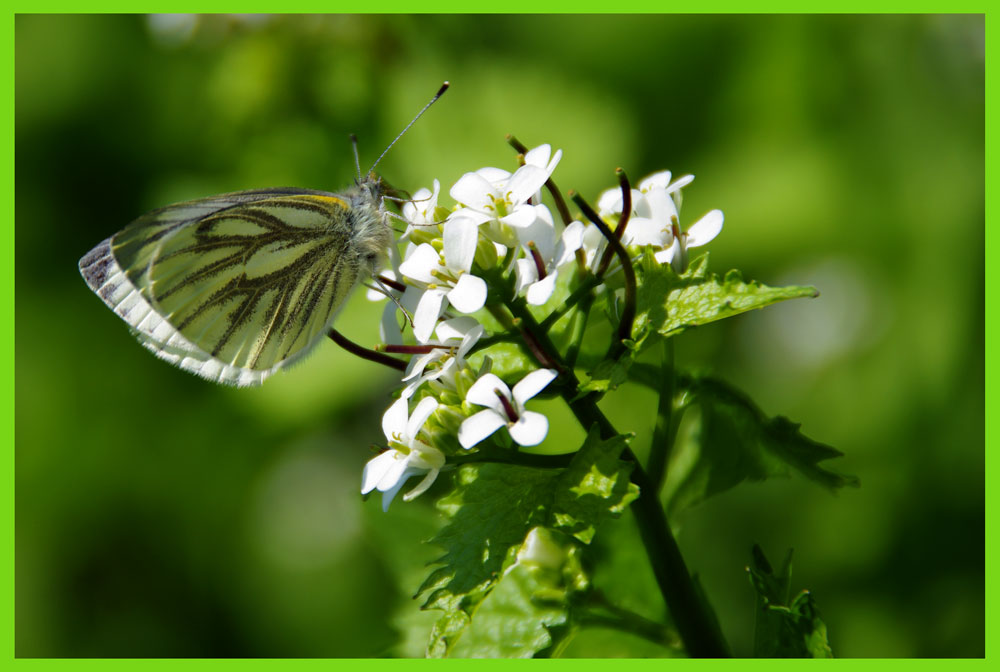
(231, 287)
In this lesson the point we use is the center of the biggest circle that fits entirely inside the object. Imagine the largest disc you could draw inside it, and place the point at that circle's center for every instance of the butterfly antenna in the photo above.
(357, 161)
(440, 92)
(385, 290)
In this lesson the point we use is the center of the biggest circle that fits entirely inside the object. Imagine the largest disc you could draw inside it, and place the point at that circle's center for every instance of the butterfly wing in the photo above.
(231, 287)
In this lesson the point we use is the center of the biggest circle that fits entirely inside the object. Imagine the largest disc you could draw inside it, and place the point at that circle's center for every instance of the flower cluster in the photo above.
(499, 243)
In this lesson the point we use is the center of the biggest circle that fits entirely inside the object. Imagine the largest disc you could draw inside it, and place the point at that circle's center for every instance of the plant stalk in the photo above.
(664, 432)
(696, 625)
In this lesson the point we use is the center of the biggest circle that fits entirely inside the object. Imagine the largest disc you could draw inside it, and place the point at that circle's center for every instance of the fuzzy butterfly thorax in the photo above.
(372, 233)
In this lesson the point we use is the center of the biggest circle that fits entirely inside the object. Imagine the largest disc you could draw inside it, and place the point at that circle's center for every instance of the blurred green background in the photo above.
(159, 515)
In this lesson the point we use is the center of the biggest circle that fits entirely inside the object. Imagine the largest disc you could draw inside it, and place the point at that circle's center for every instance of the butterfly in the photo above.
(237, 286)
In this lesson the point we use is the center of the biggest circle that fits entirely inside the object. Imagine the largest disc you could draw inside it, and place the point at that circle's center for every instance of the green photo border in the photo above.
(7, 332)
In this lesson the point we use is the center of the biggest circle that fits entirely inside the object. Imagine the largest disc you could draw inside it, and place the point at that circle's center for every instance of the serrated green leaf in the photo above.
(772, 586)
(494, 507)
(609, 374)
(669, 303)
(517, 618)
(596, 484)
(491, 510)
(784, 630)
(731, 440)
(508, 622)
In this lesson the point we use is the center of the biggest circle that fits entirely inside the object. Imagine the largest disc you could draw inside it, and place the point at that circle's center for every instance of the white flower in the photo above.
(445, 280)
(537, 272)
(593, 243)
(504, 407)
(457, 335)
(655, 217)
(701, 232)
(407, 456)
(494, 195)
(610, 202)
(420, 208)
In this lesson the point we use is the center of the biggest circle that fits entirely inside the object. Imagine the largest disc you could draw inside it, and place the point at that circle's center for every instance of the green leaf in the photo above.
(532, 598)
(731, 440)
(668, 303)
(595, 485)
(784, 630)
(608, 374)
(493, 508)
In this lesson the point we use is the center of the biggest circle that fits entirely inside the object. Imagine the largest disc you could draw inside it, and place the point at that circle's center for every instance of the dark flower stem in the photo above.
(549, 184)
(365, 353)
(628, 312)
(584, 291)
(696, 625)
(665, 431)
(622, 221)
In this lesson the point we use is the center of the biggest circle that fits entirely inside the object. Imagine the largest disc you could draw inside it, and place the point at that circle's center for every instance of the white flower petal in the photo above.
(593, 239)
(532, 384)
(661, 207)
(420, 262)
(640, 205)
(412, 387)
(394, 420)
(482, 391)
(523, 215)
(427, 313)
(543, 157)
(455, 329)
(541, 231)
(526, 274)
(422, 486)
(667, 255)
(469, 340)
(388, 495)
(658, 180)
(539, 156)
(474, 191)
(524, 183)
(539, 292)
(420, 208)
(609, 202)
(705, 229)
(498, 232)
(375, 470)
(530, 429)
(645, 231)
(680, 182)
(469, 293)
(394, 476)
(419, 363)
(572, 236)
(481, 425)
(388, 328)
(474, 216)
(460, 237)
(494, 175)
(551, 167)
(419, 416)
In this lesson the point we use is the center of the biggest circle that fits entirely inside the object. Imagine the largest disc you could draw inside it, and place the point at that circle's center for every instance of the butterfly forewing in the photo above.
(231, 287)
